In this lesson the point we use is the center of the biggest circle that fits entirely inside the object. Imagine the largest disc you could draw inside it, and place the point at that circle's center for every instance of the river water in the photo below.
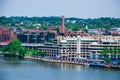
(11, 69)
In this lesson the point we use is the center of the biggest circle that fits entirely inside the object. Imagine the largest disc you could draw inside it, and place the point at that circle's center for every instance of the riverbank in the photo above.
(71, 62)
(50, 60)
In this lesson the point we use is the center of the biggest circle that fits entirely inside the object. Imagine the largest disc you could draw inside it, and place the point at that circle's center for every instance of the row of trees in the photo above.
(113, 51)
(15, 48)
(70, 23)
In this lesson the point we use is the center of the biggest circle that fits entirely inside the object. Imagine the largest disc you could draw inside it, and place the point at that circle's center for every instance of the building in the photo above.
(41, 36)
(75, 33)
(77, 48)
(114, 31)
(6, 35)
(50, 49)
(36, 36)
(53, 28)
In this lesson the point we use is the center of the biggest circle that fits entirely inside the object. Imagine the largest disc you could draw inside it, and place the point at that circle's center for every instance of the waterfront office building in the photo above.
(76, 48)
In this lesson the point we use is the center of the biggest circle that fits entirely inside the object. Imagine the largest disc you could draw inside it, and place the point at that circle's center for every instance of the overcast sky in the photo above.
(68, 8)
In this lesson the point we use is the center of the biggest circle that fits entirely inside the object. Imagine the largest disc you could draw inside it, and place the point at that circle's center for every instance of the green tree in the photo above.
(42, 54)
(105, 51)
(107, 60)
(85, 30)
(115, 50)
(118, 51)
(14, 47)
(22, 51)
(75, 28)
(28, 52)
(35, 52)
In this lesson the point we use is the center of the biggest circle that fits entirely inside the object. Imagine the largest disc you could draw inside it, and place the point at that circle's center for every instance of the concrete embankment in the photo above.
(70, 62)
(29, 57)
(57, 61)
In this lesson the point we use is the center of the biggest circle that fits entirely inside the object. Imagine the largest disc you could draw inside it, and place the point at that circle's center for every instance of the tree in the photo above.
(44, 26)
(118, 51)
(22, 51)
(42, 54)
(107, 60)
(115, 50)
(30, 52)
(35, 52)
(85, 30)
(75, 28)
(105, 51)
(14, 47)
(105, 22)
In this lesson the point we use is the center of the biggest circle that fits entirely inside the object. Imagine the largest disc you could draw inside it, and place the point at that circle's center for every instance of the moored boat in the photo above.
(96, 63)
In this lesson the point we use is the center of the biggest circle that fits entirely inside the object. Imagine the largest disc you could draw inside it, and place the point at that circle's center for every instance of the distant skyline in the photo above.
(68, 8)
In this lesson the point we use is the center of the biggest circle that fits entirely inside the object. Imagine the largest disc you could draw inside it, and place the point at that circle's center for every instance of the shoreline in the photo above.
(56, 61)
(70, 62)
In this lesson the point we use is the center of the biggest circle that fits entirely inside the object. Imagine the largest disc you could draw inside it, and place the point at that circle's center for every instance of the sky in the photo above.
(68, 8)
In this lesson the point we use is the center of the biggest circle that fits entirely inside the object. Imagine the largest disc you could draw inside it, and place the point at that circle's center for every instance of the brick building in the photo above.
(6, 35)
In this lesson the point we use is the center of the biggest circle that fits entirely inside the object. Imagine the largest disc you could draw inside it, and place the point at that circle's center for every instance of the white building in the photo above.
(75, 48)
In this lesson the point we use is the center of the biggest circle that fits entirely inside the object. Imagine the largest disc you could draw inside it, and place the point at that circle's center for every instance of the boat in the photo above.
(97, 63)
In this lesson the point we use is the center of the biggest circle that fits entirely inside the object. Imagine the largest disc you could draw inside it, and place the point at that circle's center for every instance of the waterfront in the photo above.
(40, 70)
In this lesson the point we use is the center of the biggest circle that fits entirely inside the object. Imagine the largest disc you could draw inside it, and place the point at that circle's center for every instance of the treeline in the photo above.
(70, 23)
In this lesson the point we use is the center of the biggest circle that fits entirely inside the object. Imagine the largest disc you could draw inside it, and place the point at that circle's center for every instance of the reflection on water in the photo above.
(11, 69)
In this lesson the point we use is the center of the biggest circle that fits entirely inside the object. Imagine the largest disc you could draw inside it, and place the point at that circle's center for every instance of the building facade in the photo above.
(6, 35)
(36, 36)
(76, 48)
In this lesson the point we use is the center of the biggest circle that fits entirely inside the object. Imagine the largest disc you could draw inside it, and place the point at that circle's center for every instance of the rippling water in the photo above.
(40, 70)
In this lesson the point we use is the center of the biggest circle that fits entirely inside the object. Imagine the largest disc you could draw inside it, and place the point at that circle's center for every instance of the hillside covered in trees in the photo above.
(70, 23)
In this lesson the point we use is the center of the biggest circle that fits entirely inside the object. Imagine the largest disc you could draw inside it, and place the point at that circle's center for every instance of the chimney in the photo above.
(63, 26)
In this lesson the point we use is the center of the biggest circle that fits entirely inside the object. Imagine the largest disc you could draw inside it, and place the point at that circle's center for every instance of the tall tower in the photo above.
(63, 26)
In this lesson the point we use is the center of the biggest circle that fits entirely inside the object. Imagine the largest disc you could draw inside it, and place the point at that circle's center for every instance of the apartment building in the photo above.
(6, 35)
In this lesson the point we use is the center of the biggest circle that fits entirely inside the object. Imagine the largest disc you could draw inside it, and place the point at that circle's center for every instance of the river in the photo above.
(11, 69)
